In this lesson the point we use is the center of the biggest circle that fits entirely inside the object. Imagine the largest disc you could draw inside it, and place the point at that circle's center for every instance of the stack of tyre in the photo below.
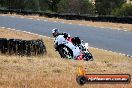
(22, 47)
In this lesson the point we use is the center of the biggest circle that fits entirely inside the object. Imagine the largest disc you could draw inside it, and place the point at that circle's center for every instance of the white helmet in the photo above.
(55, 30)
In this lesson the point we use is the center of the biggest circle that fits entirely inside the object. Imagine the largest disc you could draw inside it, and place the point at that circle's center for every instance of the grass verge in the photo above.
(51, 71)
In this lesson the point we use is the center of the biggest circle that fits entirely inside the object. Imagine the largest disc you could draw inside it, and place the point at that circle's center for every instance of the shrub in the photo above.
(124, 10)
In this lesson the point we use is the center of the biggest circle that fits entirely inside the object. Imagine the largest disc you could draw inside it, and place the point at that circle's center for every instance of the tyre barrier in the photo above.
(22, 47)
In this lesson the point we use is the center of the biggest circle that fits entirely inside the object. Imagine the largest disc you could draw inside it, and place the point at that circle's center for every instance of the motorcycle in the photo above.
(66, 52)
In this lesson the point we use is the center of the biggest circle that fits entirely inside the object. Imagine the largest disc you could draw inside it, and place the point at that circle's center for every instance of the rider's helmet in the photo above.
(66, 35)
(55, 32)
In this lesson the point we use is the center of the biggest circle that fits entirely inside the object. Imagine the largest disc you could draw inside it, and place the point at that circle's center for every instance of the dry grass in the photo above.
(16, 35)
(83, 22)
(51, 71)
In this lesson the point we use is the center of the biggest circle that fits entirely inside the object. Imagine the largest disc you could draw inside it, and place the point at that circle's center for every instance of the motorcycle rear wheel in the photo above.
(65, 52)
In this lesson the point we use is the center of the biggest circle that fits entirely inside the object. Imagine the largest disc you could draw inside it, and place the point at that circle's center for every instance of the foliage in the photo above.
(104, 7)
(101, 7)
(76, 7)
(124, 10)
(62, 6)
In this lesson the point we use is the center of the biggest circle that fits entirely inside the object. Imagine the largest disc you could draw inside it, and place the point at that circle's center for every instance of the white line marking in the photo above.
(111, 51)
(30, 18)
(53, 38)
(102, 27)
(80, 24)
(45, 20)
(62, 22)
(3, 27)
(22, 17)
(9, 28)
(120, 53)
(124, 28)
(12, 29)
(38, 19)
(124, 54)
(2, 15)
(13, 16)
(104, 50)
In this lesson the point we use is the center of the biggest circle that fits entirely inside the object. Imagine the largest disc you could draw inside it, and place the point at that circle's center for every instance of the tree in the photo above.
(124, 10)
(52, 4)
(63, 6)
(105, 7)
(44, 5)
(86, 7)
(32, 5)
(76, 7)
(37, 4)
(4, 3)
(1, 3)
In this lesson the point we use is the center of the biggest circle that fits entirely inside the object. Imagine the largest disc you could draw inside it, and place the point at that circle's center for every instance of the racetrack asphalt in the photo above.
(104, 38)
